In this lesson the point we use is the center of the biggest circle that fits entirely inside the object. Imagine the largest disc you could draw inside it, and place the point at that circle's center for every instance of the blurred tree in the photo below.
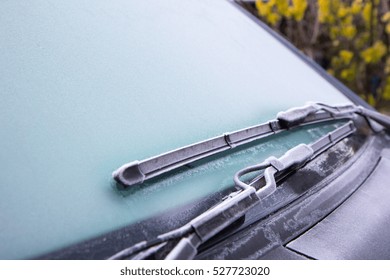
(349, 38)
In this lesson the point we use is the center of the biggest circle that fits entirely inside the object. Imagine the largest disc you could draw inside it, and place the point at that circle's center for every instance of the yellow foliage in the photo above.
(283, 7)
(343, 11)
(334, 32)
(273, 18)
(375, 53)
(386, 90)
(386, 17)
(346, 56)
(348, 74)
(298, 9)
(323, 10)
(347, 20)
(367, 13)
(356, 7)
(273, 10)
(348, 31)
(263, 8)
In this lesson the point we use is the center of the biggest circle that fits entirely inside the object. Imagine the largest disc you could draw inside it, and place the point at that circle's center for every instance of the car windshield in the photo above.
(88, 85)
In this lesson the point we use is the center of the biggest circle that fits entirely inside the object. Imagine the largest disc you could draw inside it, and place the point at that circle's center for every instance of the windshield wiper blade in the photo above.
(137, 172)
(189, 237)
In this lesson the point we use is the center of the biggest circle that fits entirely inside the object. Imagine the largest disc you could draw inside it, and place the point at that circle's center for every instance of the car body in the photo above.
(88, 86)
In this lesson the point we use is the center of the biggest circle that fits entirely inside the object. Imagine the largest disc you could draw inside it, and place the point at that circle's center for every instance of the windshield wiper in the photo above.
(137, 172)
(183, 243)
(236, 205)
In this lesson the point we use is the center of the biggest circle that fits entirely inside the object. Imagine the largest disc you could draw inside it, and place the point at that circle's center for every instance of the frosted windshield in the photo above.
(89, 85)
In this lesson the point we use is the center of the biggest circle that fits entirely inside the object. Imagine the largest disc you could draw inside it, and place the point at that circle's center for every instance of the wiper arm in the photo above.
(296, 116)
(137, 172)
(236, 205)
